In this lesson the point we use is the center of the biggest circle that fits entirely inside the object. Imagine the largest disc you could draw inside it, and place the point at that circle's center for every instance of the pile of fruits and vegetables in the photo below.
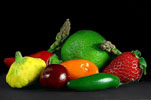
(83, 61)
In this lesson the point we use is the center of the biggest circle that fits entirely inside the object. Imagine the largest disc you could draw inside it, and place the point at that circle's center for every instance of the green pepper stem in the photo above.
(109, 47)
(61, 36)
(121, 83)
(54, 59)
(18, 57)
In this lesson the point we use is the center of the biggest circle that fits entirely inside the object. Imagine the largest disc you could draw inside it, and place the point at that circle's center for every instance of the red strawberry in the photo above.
(128, 66)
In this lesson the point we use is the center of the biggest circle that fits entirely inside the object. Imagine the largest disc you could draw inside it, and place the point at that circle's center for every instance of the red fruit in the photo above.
(128, 66)
(44, 55)
(54, 76)
(9, 61)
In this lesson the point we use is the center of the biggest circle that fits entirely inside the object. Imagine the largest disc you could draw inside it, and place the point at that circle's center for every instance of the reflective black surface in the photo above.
(133, 91)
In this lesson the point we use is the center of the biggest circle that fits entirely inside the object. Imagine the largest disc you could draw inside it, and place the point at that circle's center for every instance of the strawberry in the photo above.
(128, 66)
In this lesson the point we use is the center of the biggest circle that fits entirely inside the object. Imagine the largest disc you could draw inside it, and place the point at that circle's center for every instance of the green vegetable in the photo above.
(94, 82)
(85, 44)
(54, 59)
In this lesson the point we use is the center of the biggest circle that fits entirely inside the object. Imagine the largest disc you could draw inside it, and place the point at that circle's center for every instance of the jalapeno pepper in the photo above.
(94, 82)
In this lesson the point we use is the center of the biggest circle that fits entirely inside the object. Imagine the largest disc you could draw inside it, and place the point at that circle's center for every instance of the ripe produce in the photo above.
(24, 71)
(94, 82)
(77, 65)
(54, 76)
(85, 44)
(78, 68)
(128, 66)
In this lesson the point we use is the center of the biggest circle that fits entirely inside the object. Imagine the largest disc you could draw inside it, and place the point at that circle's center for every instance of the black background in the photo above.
(29, 28)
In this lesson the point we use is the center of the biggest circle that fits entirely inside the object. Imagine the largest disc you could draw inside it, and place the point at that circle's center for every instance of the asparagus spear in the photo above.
(61, 36)
(109, 47)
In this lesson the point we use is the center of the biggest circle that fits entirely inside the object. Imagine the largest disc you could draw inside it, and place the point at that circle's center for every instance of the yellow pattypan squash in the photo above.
(24, 71)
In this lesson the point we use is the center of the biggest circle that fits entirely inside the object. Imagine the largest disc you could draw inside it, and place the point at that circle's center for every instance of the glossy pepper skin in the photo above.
(78, 68)
(24, 71)
(94, 82)
(44, 55)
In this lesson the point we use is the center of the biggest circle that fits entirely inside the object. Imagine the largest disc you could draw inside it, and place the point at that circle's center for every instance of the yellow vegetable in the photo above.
(24, 71)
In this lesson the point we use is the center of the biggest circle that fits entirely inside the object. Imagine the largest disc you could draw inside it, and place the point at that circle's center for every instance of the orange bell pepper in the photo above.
(80, 68)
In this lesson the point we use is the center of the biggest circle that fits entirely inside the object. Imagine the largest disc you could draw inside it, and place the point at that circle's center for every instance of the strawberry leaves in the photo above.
(137, 53)
(143, 65)
(142, 62)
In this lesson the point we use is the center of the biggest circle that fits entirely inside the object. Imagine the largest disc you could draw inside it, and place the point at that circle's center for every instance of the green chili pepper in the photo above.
(94, 82)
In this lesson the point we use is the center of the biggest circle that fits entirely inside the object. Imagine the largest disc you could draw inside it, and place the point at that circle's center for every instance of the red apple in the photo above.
(54, 76)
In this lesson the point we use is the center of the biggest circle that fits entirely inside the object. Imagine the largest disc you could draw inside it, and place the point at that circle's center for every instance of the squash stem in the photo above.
(18, 57)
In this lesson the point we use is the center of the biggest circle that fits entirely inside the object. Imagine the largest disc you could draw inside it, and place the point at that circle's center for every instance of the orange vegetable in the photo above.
(78, 68)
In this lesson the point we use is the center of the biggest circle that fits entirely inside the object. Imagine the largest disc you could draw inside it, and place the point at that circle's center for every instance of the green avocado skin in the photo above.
(85, 44)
